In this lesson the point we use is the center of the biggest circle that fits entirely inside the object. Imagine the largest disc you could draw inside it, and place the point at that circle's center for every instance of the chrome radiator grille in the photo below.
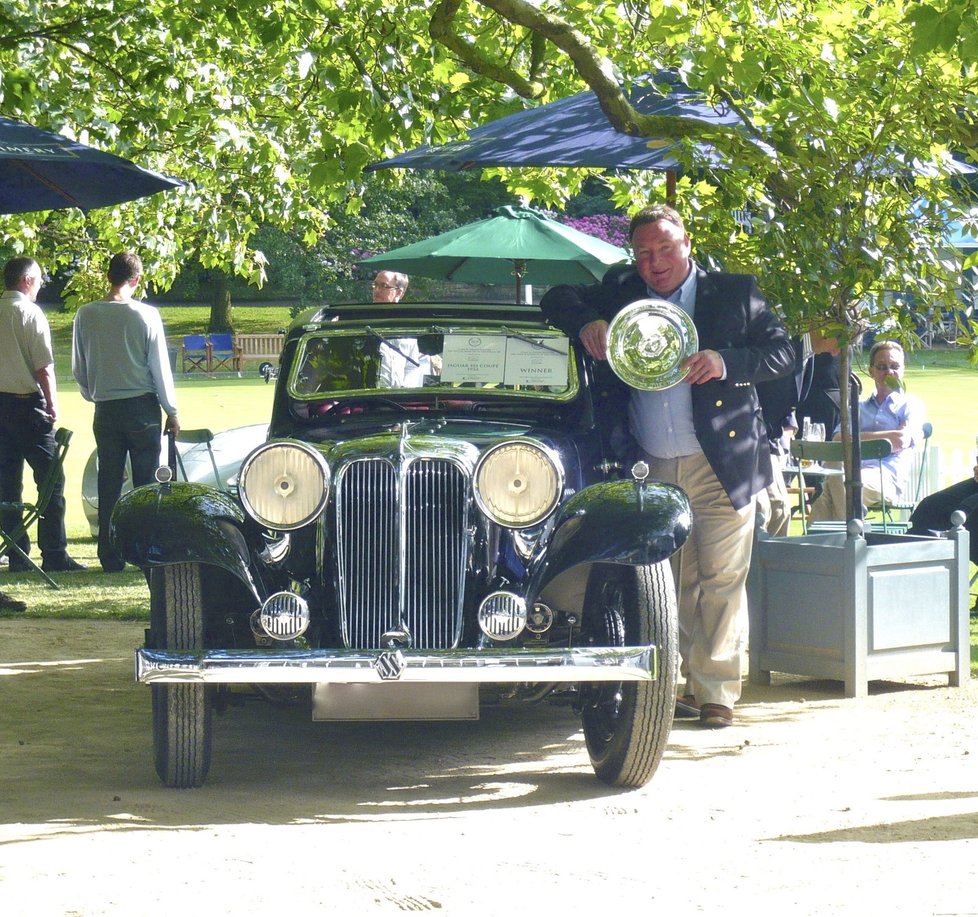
(401, 550)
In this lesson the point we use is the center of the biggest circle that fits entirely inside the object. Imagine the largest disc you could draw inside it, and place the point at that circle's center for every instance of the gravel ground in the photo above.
(809, 804)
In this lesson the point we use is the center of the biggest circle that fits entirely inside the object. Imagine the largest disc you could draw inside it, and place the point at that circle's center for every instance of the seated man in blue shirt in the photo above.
(886, 414)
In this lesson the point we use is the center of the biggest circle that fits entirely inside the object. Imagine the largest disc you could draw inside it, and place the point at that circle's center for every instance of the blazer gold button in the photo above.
(719, 404)
(732, 434)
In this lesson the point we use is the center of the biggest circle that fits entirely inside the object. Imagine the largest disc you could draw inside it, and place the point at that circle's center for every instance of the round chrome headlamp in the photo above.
(284, 485)
(518, 483)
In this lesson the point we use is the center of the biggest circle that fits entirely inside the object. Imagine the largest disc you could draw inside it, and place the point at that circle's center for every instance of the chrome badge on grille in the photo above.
(389, 665)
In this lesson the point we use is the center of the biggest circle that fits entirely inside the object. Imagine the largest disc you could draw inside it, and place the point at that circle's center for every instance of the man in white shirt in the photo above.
(408, 367)
(120, 361)
(28, 411)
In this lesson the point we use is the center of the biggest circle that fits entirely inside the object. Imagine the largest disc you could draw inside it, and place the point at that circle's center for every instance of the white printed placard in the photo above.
(479, 358)
(540, 361)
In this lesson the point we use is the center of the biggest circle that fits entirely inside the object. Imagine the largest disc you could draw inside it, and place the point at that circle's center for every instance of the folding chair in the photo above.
(33, 511)
(199, 437)
(194, 353)
(223, 352)
(807, 450)
(918, 478)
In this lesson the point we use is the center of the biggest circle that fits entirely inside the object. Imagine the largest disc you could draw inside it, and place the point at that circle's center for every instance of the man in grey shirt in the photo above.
(120, 362)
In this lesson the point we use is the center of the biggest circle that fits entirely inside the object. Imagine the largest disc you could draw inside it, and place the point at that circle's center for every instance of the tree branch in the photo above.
(441, 30)
(596, 70)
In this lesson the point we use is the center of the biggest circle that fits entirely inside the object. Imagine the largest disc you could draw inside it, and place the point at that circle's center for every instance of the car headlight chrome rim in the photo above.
(284, 485)
(518, 483)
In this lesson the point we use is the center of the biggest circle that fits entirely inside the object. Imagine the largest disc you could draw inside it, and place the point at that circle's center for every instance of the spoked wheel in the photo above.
(627, 724)
(181, 713)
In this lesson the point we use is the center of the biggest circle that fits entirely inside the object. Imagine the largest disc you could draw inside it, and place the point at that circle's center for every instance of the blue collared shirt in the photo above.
(896, 411)
(662, 422)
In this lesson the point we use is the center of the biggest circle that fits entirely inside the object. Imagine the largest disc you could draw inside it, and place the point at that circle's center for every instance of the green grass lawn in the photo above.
(948, 387)
(942, 378)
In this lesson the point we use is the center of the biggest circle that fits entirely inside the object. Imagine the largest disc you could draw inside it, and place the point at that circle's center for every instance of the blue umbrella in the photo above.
(575, 132)
(40, 170)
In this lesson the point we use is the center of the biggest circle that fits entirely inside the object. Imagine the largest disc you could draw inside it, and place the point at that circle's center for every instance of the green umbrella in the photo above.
(516, 243)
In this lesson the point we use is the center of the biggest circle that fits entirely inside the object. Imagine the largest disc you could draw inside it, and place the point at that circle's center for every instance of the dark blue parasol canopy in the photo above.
(575, 132)
(40, 170)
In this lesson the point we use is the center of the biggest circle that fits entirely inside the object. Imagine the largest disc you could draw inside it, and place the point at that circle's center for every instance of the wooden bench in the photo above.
(259, 346)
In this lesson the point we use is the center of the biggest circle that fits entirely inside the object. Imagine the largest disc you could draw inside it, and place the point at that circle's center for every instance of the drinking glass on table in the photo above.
(815, 434)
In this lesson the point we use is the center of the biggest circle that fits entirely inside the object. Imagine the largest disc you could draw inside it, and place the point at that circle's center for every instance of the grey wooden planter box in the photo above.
(857, 608)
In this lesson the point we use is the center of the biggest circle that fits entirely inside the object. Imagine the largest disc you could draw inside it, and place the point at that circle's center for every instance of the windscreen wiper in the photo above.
(527, 339)
(392, 346)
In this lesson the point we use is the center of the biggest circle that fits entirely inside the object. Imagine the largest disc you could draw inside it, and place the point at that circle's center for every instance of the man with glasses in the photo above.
(28, 411)
(389, 286)
(888, 413)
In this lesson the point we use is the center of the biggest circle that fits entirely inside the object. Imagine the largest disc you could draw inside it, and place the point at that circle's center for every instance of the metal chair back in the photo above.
(31, 512)
(203, 437)
(811, 451)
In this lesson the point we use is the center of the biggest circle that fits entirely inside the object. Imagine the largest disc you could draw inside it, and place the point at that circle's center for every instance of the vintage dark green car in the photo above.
(442, 516)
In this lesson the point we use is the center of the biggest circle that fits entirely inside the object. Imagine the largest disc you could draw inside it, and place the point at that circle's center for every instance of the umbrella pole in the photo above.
(671, 188)
(519, 267)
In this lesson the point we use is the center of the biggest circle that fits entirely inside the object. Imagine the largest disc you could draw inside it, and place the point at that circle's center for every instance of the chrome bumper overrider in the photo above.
(630, 663)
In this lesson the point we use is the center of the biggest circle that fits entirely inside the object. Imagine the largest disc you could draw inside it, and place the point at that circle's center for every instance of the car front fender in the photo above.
(619, 522)
(181, 522)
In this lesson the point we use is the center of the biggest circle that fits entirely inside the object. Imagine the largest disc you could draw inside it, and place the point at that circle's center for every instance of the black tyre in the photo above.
(627, 724)
(181, 713)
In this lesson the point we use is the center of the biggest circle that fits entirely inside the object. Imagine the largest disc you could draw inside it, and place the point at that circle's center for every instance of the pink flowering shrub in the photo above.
(610, 227)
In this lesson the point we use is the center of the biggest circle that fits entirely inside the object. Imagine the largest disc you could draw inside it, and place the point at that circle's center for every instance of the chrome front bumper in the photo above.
(630, 663)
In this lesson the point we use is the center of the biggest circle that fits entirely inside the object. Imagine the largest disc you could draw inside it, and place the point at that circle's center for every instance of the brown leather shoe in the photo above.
(715, 716)
(9, 603)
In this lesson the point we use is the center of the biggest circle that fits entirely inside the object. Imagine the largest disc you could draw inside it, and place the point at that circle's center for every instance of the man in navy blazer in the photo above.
(705, 434)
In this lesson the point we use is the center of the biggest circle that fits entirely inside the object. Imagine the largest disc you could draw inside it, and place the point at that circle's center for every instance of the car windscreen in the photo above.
(444, 362)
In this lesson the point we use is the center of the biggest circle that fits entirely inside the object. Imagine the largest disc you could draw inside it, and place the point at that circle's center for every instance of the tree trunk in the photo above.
(845, 423)
(849, 391)
(220, 319)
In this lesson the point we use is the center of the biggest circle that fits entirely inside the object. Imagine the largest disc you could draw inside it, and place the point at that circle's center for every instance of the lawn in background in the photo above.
(948, 386)
(178, 321)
